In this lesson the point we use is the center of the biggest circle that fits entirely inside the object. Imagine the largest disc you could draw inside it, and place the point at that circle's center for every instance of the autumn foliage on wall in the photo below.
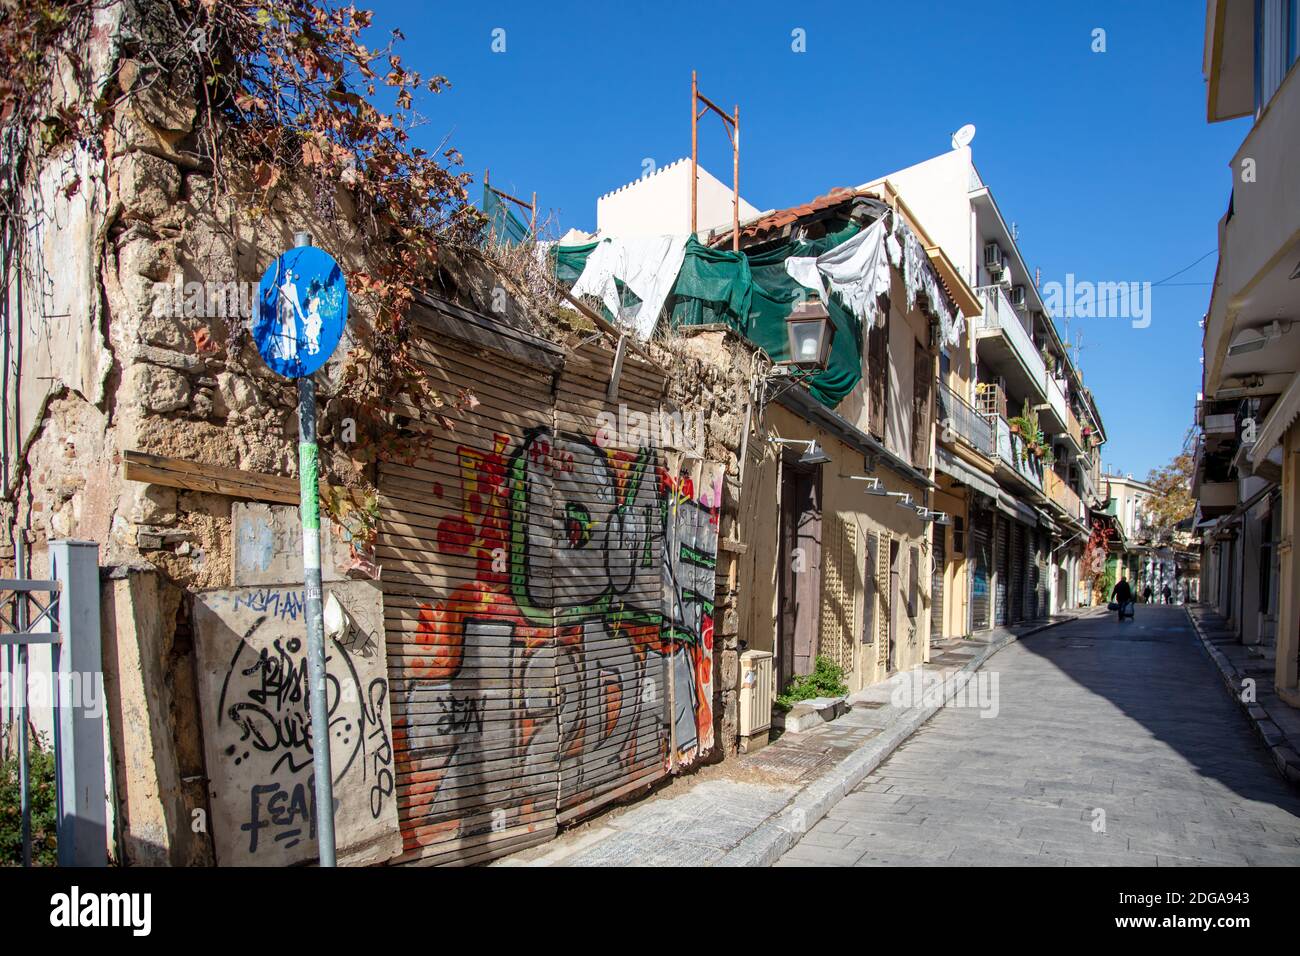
(285, 89)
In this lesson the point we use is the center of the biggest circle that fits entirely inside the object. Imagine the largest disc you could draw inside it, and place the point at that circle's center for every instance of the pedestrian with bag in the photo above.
(1122, 598)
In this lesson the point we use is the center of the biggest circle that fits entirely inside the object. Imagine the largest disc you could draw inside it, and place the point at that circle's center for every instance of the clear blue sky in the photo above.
(1104, 160)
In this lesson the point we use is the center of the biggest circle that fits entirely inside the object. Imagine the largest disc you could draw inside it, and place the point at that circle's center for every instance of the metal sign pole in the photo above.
(309, 494)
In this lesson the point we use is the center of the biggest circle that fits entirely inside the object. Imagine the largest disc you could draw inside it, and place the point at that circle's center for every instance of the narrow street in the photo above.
(1093, 718)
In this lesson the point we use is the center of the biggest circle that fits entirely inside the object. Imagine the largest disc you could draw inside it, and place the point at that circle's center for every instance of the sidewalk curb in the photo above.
(1285, 759)
(783, 829)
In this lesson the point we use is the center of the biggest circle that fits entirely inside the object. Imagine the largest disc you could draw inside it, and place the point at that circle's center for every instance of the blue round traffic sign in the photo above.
(302, 308)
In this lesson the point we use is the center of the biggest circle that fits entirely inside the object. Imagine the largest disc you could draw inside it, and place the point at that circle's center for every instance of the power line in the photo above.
(1185, 268)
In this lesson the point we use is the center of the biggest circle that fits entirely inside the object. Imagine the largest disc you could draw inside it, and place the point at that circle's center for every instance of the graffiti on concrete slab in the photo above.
(255, 700)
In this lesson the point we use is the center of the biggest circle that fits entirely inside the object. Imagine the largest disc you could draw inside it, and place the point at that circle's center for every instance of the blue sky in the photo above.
(1103, 160)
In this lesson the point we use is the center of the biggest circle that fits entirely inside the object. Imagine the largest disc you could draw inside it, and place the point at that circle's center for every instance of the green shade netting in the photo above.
(503, 225)
(568, 263)
(752, 294)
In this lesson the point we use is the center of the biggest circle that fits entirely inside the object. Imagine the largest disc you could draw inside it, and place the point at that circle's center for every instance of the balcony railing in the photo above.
(1063, 494)
(1012, 450)
(1056, 398)
(958, 419)
(1075, 430)
(1000, 315)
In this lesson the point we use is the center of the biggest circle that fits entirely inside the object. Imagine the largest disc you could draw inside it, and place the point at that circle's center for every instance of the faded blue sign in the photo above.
(302, 308)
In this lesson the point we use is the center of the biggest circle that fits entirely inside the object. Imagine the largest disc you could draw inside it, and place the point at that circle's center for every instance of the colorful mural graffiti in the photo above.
(575, 657)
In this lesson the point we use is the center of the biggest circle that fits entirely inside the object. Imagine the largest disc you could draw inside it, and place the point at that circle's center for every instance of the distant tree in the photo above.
(1171, 500)
(1094, 557)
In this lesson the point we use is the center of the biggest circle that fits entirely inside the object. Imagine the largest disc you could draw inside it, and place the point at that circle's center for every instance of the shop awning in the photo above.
(955, 468)
(1014, 509)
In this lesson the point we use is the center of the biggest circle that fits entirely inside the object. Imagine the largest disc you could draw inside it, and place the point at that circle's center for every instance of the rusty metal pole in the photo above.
(694, 146)
(735, 180)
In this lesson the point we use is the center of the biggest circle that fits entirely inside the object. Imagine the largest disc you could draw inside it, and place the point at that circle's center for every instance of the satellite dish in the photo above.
(963, 136)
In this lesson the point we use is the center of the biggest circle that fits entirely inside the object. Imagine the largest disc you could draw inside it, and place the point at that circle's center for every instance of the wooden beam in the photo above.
(214, 479)
(219, 480)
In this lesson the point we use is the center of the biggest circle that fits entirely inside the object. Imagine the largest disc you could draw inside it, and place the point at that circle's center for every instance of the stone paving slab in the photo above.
(738, 822)
(1110, 747)
(1275, 721)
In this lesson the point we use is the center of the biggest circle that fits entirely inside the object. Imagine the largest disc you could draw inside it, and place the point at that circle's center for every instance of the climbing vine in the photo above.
(287, 91)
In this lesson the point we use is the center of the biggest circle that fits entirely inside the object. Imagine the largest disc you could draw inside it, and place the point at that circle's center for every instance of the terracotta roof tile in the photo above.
(776, 221)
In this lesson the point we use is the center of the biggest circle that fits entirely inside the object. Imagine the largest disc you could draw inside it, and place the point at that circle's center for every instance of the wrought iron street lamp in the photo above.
(810, 333)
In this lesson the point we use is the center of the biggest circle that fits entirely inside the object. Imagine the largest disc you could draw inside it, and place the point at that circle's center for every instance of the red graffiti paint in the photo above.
(455, 535)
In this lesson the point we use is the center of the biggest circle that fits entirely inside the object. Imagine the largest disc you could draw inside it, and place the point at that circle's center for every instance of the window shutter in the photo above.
(839, 592)
(882, 590)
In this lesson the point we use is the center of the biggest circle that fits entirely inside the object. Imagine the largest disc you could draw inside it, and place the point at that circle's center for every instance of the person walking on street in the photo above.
(1123, 597)
(1169, 599)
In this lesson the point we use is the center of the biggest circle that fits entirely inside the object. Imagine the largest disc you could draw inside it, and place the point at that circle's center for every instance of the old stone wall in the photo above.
(135, 296)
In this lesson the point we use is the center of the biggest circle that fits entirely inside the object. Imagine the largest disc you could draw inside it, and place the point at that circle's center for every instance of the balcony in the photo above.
(1258, 250)
(958, 420)
(1063, 495)
(1015, 456)
(1006, 345)
(1057, 415)
(1075, 431)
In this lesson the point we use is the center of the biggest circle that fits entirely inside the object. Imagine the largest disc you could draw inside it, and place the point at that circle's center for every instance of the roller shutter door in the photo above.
(1001, 611)
(1017, 584)
(608, 531)
(981, 556)
(1035, 607)
(549, 578)
(939, 557)
(465, 544)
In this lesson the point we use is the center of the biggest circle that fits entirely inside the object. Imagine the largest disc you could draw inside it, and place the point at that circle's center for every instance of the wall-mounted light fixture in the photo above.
(874, 487)
(813, 454)
(1254, 339)
(809, 333)
(938, 517)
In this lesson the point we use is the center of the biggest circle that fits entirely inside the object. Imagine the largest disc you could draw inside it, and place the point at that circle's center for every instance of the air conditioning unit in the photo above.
(1018, 296)
(994, 260)
(757, 696)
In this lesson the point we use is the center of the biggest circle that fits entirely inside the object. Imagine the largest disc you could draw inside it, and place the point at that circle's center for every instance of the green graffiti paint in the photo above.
(309, 485)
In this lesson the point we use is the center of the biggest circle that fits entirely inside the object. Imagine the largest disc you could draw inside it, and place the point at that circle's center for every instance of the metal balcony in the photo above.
(959, 420)
(1056, 417)
(1014, 455)
(1006, 345)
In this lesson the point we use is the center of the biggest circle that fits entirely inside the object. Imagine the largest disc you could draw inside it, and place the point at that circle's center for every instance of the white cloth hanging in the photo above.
(857, 270)
(647, 265)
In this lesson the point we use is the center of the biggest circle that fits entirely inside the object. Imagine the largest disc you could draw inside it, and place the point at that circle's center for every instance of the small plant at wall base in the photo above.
(44, 814)
(826, 680)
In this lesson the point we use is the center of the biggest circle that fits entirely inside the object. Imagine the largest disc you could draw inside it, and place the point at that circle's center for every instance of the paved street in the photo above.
(1098, 724)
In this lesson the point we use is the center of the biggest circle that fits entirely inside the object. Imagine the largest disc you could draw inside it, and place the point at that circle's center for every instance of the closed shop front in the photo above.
(1001, 611)
(548, 572)
(939, 558)
(1018, 566)
(981, 557)
(1036, 575)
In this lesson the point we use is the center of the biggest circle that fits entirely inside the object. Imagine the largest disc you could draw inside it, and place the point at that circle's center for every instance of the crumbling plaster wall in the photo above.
(131, 340)
(709, 376)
